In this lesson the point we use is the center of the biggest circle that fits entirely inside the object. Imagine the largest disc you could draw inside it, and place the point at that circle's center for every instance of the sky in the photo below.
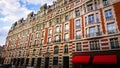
(13, 10)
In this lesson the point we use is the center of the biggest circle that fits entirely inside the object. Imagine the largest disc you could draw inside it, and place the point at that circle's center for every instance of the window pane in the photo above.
(65, 49)
(108, 14)
(78, 34)
(78, 47)
(111, 28)
(92, 31)
(78, 23)
(66, 26)
(114, 43)
(94, 45)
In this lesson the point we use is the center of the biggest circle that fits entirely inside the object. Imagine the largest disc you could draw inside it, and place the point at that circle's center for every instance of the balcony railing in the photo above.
(94, 34)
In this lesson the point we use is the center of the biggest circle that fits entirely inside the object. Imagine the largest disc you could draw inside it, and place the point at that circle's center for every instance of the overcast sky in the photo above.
(13, 10)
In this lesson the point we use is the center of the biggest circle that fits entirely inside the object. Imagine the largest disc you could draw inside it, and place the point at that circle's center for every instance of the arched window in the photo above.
(56, 49)
(66, 49)
(34, 51)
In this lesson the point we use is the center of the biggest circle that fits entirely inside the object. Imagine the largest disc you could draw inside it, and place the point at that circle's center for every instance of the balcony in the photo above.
(94, 34)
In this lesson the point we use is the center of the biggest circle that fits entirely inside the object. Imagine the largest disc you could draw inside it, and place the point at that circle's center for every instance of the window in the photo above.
(42, 41)
(26, 38)
(91, 19)
(44, 26)
(50, 32)
(78, 47)
(49, 40)
(77, 2)
(78, 23)
(50, 24)
(114, 43)
(58, 20)
(43, 33)
(57, 38)
(92, 31)
(35, 42)
(108, 14)
(66, 37)
(97, 17)
(40, 53)
(55, 60)
(78, 34)
(99, 31)
(37, 35)
(66, 18)
(47, 51)
(30, 44)
(94, 45)
(85, 20)
(106, 2)
(57, 29)
(90, 7)
(65, 49)
(38, 28)
(111, 28)
(31, 37)
(66, 27)
(77, 13)
(32, 30)
(56, 49)
(34, 51)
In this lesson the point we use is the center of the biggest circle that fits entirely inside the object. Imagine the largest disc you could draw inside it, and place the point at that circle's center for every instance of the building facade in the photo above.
(62, 34)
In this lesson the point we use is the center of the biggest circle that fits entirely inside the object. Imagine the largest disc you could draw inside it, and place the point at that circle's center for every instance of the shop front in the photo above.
(100, 59)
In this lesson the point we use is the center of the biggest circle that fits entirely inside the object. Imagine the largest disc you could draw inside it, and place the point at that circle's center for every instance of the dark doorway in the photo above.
(38, 63)
(22, 61)
(66, 62)
(46, 62)
(32, 63)
(14, 61)
(18, 61)
(11, 61)
(27, 61)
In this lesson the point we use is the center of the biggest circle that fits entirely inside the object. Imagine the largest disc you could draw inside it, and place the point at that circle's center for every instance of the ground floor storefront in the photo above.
(101, 59)
(45, 62)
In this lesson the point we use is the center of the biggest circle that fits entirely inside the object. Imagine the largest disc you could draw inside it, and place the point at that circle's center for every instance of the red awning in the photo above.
(105, 59)
(81, 59)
